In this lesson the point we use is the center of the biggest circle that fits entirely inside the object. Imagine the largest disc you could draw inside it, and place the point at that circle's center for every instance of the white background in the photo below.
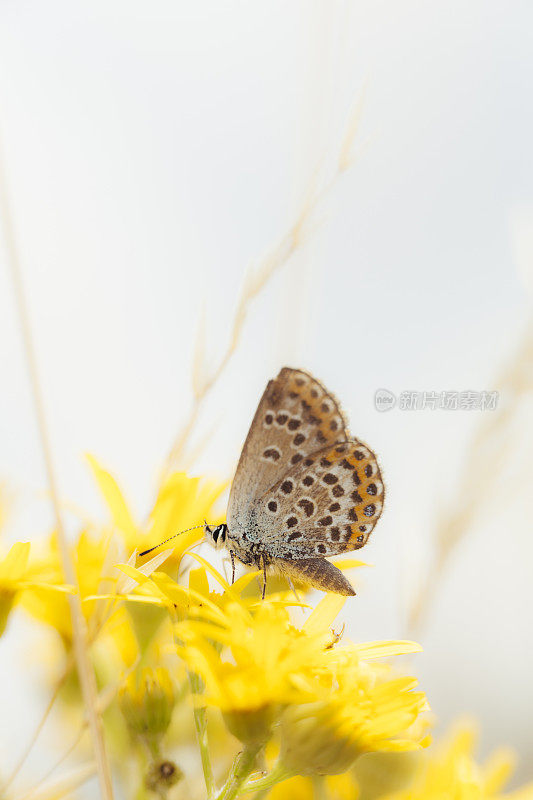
(154, 150)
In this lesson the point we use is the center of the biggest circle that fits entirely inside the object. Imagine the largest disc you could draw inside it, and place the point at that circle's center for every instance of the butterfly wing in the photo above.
(316, 572)
(327, 505)
(295, 417)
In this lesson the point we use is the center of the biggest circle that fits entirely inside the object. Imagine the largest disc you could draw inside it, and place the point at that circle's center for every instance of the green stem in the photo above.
(200, 722)
(261, 794)
(319, 787)
(243, 765)
(277, 774)
(263, 785)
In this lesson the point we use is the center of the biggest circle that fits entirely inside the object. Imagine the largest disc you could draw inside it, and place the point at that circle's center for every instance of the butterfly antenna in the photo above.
(145, 552)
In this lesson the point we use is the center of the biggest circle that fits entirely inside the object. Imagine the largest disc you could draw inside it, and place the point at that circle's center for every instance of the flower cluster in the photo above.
(204, 689)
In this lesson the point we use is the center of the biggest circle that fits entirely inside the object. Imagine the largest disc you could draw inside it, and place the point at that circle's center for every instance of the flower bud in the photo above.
(162, 775)
(380, 774)
(312, 745)
(252, 725)
(147, 701)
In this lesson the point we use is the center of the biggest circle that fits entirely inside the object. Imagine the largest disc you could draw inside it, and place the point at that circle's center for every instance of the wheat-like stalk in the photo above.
(79, 633)
(483, 466)
(62, 787)
(255, 280)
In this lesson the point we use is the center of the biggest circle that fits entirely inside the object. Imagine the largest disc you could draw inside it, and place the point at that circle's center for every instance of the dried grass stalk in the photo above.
(255, 280)
(483, 466)
(83, 663)
(62, 787)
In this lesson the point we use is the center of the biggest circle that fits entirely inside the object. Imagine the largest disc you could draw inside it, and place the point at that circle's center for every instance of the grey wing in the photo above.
(328, 505)
(296, 416)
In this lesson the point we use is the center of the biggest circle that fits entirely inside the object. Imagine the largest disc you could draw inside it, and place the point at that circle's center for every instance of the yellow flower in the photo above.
(361, 707)
(267, 655)
(17, 576)
(453, 773)
(132, 629)
(202, 616)
(338, 701)
(94, 565)
(250, 658)
(181, 502)
(149, 593)
(91, 562)
(147, 587)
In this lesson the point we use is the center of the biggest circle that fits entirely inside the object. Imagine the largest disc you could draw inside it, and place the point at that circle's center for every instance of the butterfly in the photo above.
(304, 489)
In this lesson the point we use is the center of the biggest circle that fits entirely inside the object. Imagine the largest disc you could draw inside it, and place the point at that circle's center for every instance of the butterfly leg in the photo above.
(232, 556)
(293, 590)
(225, 563)
(264, 579)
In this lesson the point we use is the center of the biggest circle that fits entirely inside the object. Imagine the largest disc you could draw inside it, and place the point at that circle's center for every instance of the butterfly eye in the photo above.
(219, 533)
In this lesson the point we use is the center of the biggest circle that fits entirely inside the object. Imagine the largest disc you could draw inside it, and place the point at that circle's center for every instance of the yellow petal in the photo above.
(324, 614)
(66, 588)
(198, 581)
(387, 648)
(498, 769)
(16, 561)
(134, 573)
(349, 563)
(114, 498)
(216, 575)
